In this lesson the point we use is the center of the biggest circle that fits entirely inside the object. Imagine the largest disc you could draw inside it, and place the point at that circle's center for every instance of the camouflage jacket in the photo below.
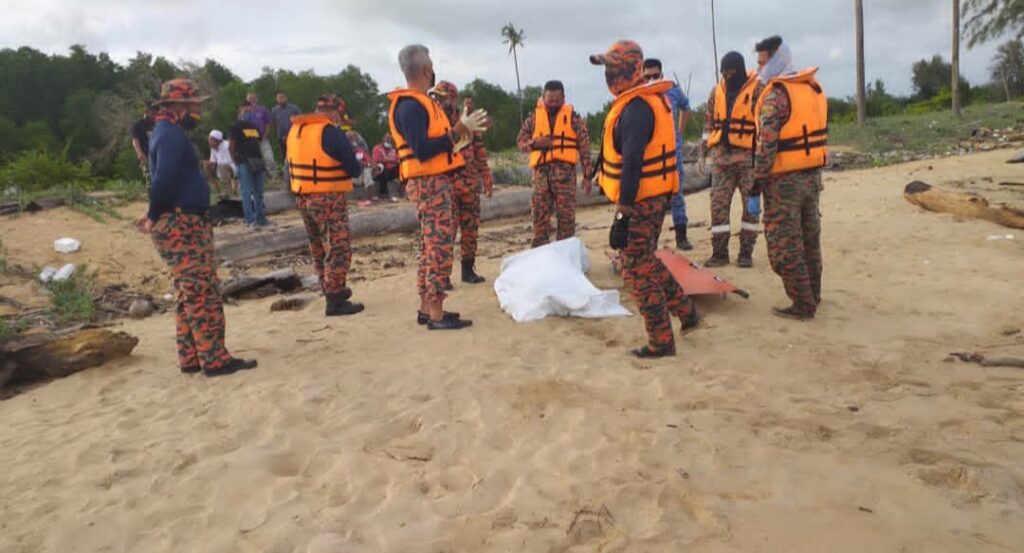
(774, 113)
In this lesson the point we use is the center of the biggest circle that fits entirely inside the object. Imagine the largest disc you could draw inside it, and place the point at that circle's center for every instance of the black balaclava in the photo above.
(732, 60)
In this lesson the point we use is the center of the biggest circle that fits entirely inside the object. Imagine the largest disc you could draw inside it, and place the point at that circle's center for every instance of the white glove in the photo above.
(462, 143)
(476, 121)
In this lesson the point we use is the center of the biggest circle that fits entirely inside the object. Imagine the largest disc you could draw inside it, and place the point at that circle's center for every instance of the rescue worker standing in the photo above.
(638, 174)
(466, 185)
(792, 133)
(729, 125)
(428, 147)
(556, 138)
(321, 166)
(179, 199)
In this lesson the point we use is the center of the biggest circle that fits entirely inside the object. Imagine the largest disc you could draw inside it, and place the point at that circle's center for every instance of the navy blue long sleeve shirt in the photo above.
(630, 137)
(336, 145)
(177, 181)
(412, 120)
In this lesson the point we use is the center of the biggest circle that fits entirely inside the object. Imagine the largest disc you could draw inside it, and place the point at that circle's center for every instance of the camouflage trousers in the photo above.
(656, 293)
(433, 197)
(185, 242)
(466, 211)
(554, 189)
(792, 227)
(725, 181)
(326, 219)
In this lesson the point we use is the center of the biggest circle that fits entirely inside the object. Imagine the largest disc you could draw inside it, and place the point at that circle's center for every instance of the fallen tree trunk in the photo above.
(961, 204)
(48, 356)
(512, 203)
(284, 280)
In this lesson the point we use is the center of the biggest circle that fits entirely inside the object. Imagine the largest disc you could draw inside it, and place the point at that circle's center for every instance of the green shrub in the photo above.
(72, 298)
(33, 171)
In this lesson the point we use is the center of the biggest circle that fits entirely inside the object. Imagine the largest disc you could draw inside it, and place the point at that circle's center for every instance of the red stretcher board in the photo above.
(695, 279)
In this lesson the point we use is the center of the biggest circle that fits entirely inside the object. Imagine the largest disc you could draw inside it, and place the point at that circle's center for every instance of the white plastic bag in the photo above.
(64, 273)
(551, 280)
(67, 245)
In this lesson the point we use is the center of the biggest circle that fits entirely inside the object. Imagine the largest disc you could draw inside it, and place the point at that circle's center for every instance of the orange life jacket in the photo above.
(563, 147)
(310, 169)
(658, 175)
(408, 165)
(803, 138)
(740, 121)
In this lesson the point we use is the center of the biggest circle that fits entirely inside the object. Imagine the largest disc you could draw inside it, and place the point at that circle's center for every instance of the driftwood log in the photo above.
(962, 204)
(47, 356)
(512, 203)
(284, 280)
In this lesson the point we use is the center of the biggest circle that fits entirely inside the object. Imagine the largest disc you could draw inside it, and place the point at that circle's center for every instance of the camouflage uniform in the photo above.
(731, 170)
(433, 197)
(792, 221)
(325, 216)
(466, 195)
(656, 293)
(185, 242)
(554, 184)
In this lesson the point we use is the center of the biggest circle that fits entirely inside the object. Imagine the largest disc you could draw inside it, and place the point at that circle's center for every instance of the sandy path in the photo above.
(369, 434)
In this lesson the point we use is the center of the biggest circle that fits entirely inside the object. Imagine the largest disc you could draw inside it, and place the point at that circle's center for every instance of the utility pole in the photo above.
(956, 58)
(714, 43)
(862, 108)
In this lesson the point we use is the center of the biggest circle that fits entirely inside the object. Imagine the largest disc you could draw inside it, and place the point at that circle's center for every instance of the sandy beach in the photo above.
(851, 433)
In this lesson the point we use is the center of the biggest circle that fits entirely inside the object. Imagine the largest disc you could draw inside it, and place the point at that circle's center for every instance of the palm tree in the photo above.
(514, 38)
(861, 102)
(1008, 67)
(956, 58)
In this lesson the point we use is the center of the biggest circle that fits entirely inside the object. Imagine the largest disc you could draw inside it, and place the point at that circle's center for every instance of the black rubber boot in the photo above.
(718, 258)
(746, 257)
(469, 274)
(231, 367)
(792, 313)
(647, 352)
(422, 318)
(681, 242)
(336, 306)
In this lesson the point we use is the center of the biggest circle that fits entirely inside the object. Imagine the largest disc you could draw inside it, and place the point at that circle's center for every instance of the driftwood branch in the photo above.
(966, 205)
(47, 356)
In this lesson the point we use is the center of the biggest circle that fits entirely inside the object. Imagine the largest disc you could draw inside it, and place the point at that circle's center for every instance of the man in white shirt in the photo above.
(220, 169)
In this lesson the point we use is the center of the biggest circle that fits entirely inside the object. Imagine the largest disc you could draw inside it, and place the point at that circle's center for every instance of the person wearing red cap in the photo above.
(637, 172)
(466, 185)
(321, 168)
(179, 198)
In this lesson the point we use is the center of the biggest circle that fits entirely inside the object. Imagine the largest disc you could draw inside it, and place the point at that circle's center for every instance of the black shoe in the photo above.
(231, 367)
(745, 261)
(191, 369)
(681, 242)
(691, 320)
(448, 285)
(469, 274)
(448, 324)
(341, 308)
(345, 294)
(422, 318)
(647, 352)
(717, 260)
(792, 312)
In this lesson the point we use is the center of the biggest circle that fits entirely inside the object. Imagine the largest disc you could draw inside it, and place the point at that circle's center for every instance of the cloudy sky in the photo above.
(464, 36)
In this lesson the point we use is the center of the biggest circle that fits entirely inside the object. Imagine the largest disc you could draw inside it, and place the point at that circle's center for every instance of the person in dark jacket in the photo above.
(179, 198)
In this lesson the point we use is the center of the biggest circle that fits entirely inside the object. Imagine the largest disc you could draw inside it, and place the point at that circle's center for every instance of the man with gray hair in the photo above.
(428, 152)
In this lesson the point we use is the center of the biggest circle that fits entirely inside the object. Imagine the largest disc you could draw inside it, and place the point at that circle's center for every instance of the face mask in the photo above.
(189, 121)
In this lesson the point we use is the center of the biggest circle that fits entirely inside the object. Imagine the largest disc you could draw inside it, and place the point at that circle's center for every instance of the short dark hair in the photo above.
(652, 62)
(554, 86)
(770, 44)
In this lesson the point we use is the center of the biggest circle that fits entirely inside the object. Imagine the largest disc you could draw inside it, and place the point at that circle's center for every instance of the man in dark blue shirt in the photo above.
(179, 198)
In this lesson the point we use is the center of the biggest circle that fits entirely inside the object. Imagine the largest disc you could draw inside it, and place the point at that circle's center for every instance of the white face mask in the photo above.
(780, 64)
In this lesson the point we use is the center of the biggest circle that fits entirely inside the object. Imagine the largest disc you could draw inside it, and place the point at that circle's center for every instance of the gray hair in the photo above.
(413, 58)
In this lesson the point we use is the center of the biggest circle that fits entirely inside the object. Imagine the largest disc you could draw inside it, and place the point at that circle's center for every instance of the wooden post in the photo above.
(956, 58)
(862, 108)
